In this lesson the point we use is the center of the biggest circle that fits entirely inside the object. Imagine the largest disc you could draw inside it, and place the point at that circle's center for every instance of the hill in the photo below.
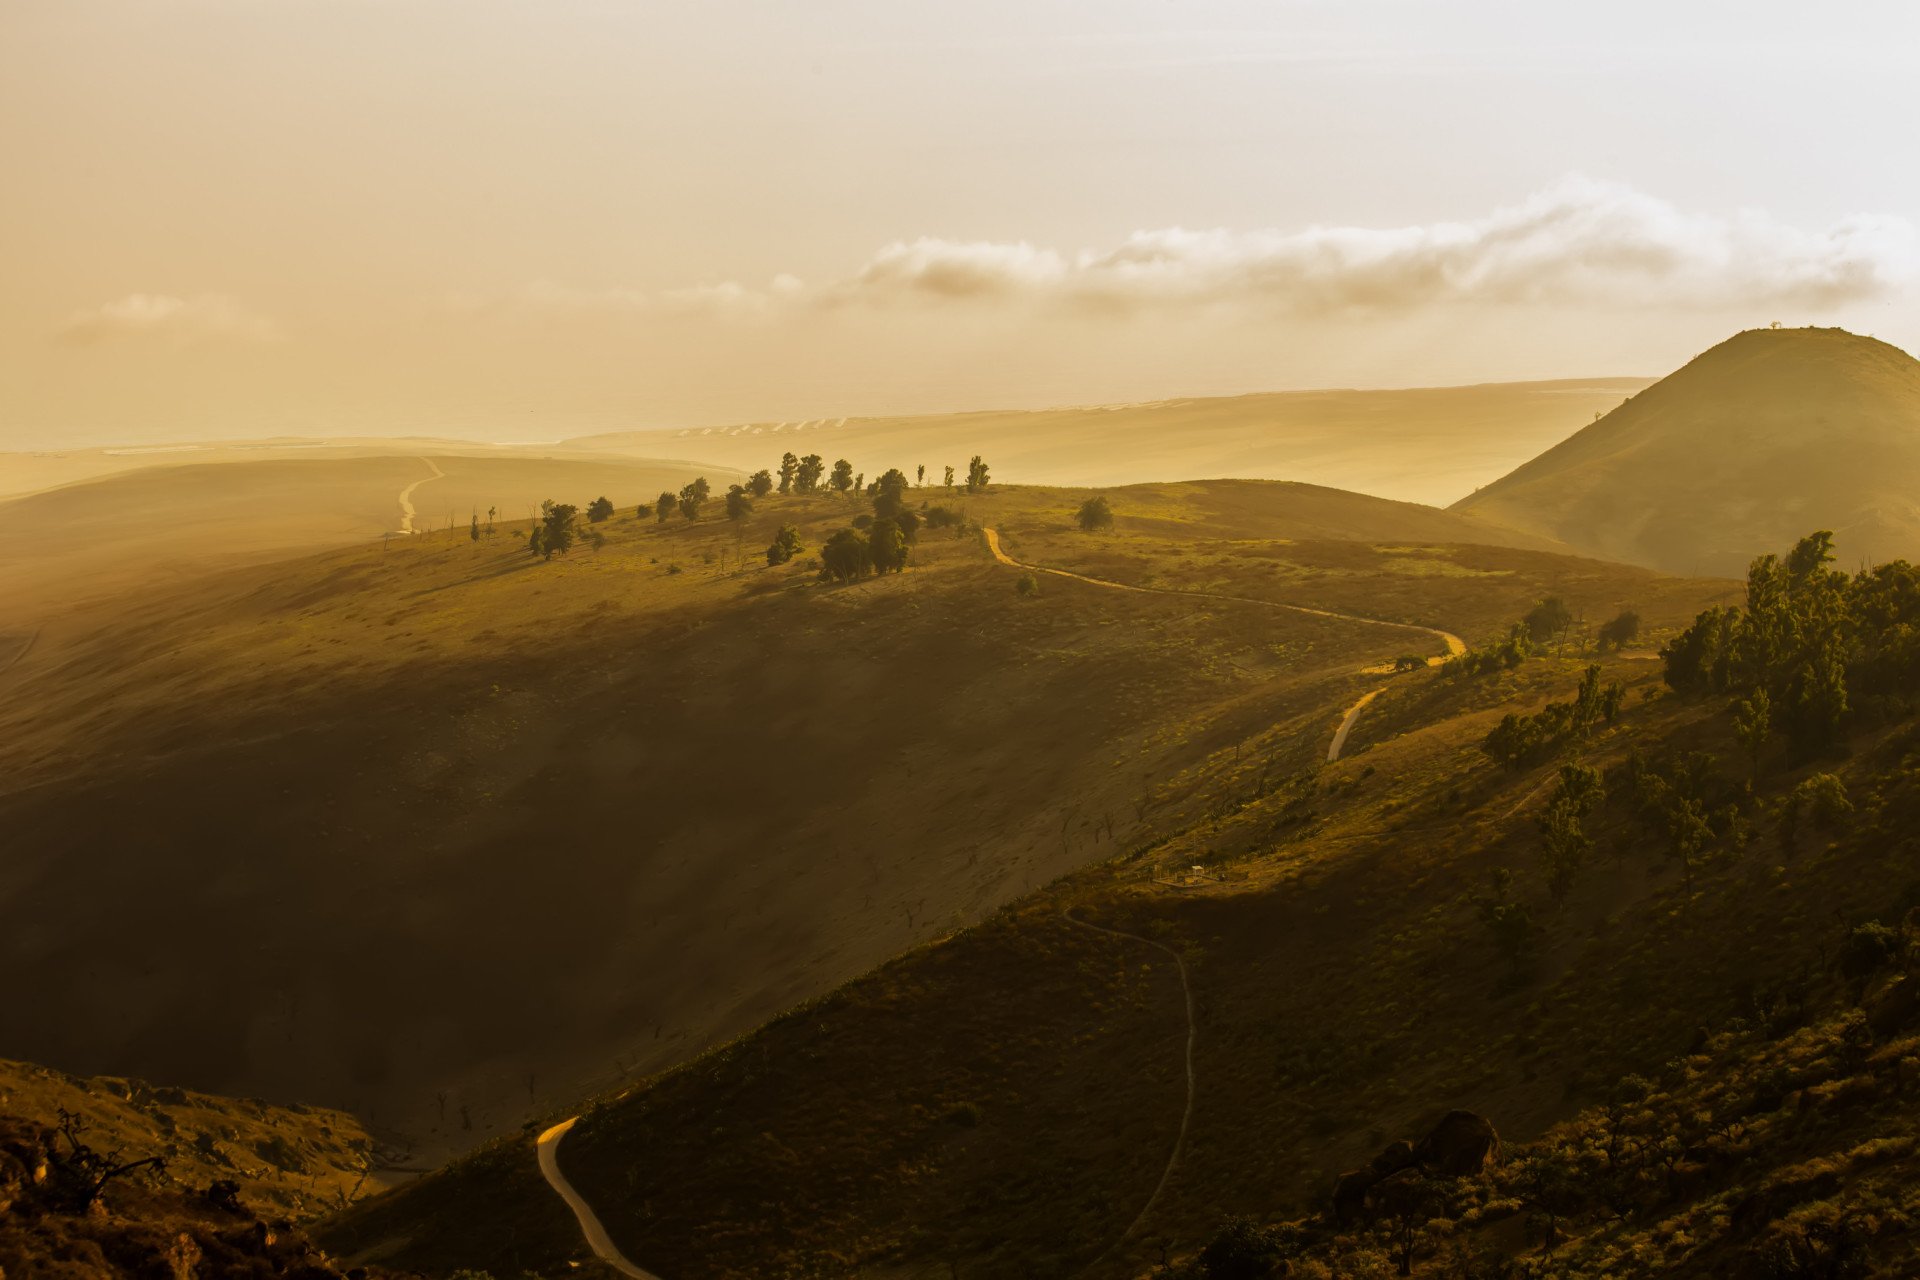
(1669, 960)
(94, 538)
(1416, 445)
(460, 832)
(1753, 443)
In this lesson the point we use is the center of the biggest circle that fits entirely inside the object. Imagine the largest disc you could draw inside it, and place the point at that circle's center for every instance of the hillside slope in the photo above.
(463, 831)
(1698, 1047)
(94, 539)
(1766, 436)
(1414, 445)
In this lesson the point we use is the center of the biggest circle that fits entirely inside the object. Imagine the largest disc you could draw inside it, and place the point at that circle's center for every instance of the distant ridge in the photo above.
(1771, 434)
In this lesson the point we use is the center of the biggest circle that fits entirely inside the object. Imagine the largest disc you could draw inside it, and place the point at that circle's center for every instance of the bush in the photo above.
(785, 545)
(943, 518)
(1028, 585)
(1095, 514)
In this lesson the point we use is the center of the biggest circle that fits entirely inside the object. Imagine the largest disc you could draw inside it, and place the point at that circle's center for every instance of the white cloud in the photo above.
(1580, 241)
(207, 317)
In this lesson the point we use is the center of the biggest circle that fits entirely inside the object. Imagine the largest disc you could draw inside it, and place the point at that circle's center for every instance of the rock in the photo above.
(1397, 1156)
(1350, 1194)
(1461, 1145)
(1894, 1007)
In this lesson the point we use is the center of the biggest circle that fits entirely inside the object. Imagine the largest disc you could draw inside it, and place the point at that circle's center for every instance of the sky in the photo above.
(521, 221)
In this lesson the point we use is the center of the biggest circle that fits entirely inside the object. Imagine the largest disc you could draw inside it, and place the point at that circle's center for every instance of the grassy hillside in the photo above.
(1420, 445)
(1768, 435)
(1004, 1102)
(463, 832)
(94, 539)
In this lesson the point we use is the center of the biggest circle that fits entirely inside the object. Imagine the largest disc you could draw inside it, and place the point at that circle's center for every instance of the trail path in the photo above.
(1455, 645)
(1186, 1116)
(406, 495)
(603, 1247)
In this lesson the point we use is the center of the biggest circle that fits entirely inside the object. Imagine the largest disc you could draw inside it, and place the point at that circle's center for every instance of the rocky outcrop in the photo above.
(1461, 1145)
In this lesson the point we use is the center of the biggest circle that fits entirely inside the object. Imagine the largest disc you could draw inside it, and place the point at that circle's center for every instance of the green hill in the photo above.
(1771, 434)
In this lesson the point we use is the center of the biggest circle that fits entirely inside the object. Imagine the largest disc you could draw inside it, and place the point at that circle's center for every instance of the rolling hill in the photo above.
(92, 539)
(459, 832)
(1770, 434)
(1417, 445)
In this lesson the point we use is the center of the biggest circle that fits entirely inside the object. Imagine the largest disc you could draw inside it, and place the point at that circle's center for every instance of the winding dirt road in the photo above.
(1186, 1116)
(406, 496)
(603, 1247)
(1455, 645)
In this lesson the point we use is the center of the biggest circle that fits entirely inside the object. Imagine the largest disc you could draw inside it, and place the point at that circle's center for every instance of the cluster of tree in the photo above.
(881, 547)
(1520, 740)
(1550, 622)
(1811, 650)
(1504, 656)
(554, 532)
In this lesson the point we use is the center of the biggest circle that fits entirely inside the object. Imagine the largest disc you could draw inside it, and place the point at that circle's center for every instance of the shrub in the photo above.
(1028, 585)
(1095, 514)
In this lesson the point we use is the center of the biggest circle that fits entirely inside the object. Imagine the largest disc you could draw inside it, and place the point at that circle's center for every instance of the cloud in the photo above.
(206, 317)
(1579, 241)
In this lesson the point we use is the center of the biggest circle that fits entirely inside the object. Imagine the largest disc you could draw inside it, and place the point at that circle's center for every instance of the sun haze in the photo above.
(881, 640)
(509, 221)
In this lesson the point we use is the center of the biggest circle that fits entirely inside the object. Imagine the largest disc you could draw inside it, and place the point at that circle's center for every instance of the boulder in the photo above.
(1461, 1145)
(1350, 1194)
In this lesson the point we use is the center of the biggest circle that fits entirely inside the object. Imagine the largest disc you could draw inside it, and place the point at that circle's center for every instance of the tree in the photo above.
(976, 475)
(807, 479)
(473, 530)
(1563, 828)
(663, 507)
(1753, 725)
(1508, 924)
(887, 546)
(949, 480)
(1621, 631)
(1095, 514)
(1548, 620)
(739, 505)
(556, 528)
(600, 509)
(490, 512)
(890, 493)
(537, 543)
(842, 478)
(788, 466)
(785, 545)
(693, 497)
(760, 483)
(845, 557)
(920, 474)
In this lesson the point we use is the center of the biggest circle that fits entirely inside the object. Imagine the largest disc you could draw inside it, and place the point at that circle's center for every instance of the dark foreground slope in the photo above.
(1768, 435)
(444, 833)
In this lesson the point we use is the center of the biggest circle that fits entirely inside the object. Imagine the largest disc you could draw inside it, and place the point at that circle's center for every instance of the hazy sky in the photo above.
(524, 220)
